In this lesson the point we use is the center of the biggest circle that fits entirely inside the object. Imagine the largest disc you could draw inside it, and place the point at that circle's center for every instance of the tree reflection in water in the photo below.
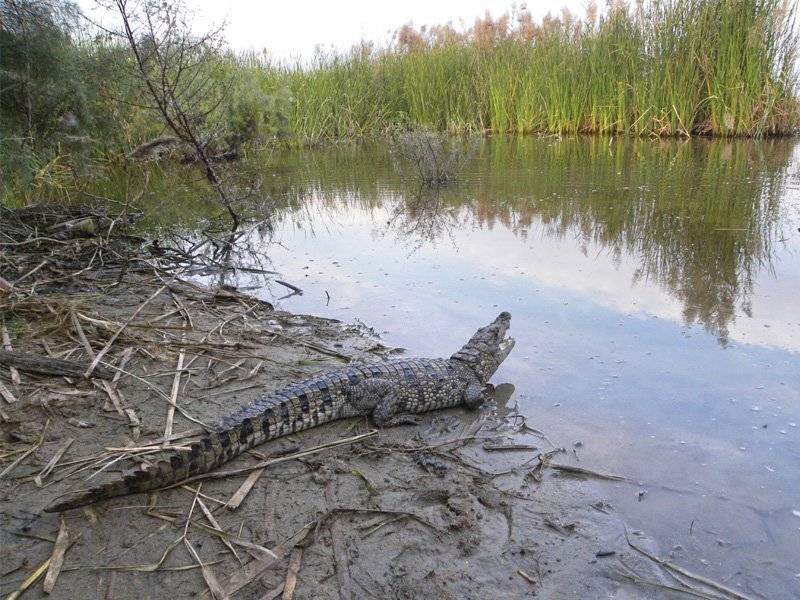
(699, 217)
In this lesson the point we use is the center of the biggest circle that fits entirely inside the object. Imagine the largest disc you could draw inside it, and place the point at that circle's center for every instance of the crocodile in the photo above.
(391, 392)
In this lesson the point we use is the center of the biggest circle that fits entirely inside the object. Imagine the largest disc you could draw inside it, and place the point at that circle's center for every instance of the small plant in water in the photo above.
(437, 159)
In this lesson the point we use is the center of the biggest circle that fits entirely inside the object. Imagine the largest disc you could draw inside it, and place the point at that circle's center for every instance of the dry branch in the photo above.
(43, 365)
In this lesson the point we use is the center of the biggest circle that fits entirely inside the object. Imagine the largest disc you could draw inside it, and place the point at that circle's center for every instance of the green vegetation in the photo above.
(671, 67)
(71, 97)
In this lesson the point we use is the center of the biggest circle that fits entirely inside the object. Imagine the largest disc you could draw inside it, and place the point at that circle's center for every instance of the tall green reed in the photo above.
(659, 67)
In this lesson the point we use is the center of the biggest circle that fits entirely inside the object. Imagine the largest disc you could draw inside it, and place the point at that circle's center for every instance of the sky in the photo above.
(294, 29)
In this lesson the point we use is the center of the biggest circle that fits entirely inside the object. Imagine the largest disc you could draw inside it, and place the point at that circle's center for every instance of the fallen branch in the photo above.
(6, 394)
(588, 472)
(243, 490)
(294, 288)
(7, 346)
(673, 567)
(44, 365)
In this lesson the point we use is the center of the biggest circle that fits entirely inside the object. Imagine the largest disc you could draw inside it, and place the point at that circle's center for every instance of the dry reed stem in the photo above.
(698, 578)
(256, 568)
(37, 573)
(295, 559)
(113, 338)
(52, 462)
(243, 490)
(208, 575)
(57, 557)
(214, 523)
(176, 382)
(7, 346)
(526, 577)
(6, 394)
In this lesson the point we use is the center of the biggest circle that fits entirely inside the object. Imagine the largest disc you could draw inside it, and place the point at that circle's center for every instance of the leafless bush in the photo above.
(181, 83)
(436, 158)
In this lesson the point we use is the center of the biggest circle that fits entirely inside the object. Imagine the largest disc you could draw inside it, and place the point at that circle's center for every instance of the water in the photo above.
(654, 291)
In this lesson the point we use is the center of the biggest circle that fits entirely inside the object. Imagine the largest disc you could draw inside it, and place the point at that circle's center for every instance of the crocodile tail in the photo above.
(207, 453)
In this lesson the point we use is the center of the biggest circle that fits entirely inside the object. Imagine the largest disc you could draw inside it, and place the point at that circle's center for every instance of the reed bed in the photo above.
(657, 68)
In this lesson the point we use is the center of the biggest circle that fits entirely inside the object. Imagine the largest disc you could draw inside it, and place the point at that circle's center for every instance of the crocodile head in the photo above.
(489, 347)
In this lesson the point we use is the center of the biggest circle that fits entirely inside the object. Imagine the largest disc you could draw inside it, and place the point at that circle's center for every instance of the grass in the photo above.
(655, 68)
(660, 68)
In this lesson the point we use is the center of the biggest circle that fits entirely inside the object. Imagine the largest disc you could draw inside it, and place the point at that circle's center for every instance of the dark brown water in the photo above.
(654, 288)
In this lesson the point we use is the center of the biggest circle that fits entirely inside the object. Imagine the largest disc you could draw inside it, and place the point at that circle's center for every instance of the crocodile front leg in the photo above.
(476, 394)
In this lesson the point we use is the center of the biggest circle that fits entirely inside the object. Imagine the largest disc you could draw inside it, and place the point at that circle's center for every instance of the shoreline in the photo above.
(464, 505)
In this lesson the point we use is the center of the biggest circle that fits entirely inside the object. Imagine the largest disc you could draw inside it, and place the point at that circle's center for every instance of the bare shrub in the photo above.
(435, 158)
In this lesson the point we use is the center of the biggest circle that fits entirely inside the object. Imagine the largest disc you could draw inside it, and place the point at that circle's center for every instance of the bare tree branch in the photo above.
(175, 69)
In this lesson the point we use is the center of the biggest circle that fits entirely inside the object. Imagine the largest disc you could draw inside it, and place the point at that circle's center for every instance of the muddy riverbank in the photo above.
(464, 505)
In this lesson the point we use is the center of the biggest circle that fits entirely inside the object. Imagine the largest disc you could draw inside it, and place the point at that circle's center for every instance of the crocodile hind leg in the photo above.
(387, 413)
(379, 399)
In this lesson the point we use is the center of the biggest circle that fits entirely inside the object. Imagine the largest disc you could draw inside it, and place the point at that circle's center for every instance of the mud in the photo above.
(410, 512)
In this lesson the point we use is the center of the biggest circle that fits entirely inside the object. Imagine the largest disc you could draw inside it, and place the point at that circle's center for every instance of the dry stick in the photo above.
(508, 447)
(113, 338)
(689, 591)
(160, 393)
(382, 524)
(7, 346)
(256, 568)
(52, 462)
(37, 573)
(294, 288)
(147, 568)
(386, 511)
(224, 535)
(114, 396)
(42, 365)
(215, 524)
(581, 471)
(29, 273)
(673, 567)
(5, 286)
(295, 559)
(176, 383)
(341, 560)
(6, 394)
(104, 385)
(76, 324)
(57, 557)
(208, 575)
(123, 361)
(526, 577)
(204, 496)
(243, 490)
(134, 423)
